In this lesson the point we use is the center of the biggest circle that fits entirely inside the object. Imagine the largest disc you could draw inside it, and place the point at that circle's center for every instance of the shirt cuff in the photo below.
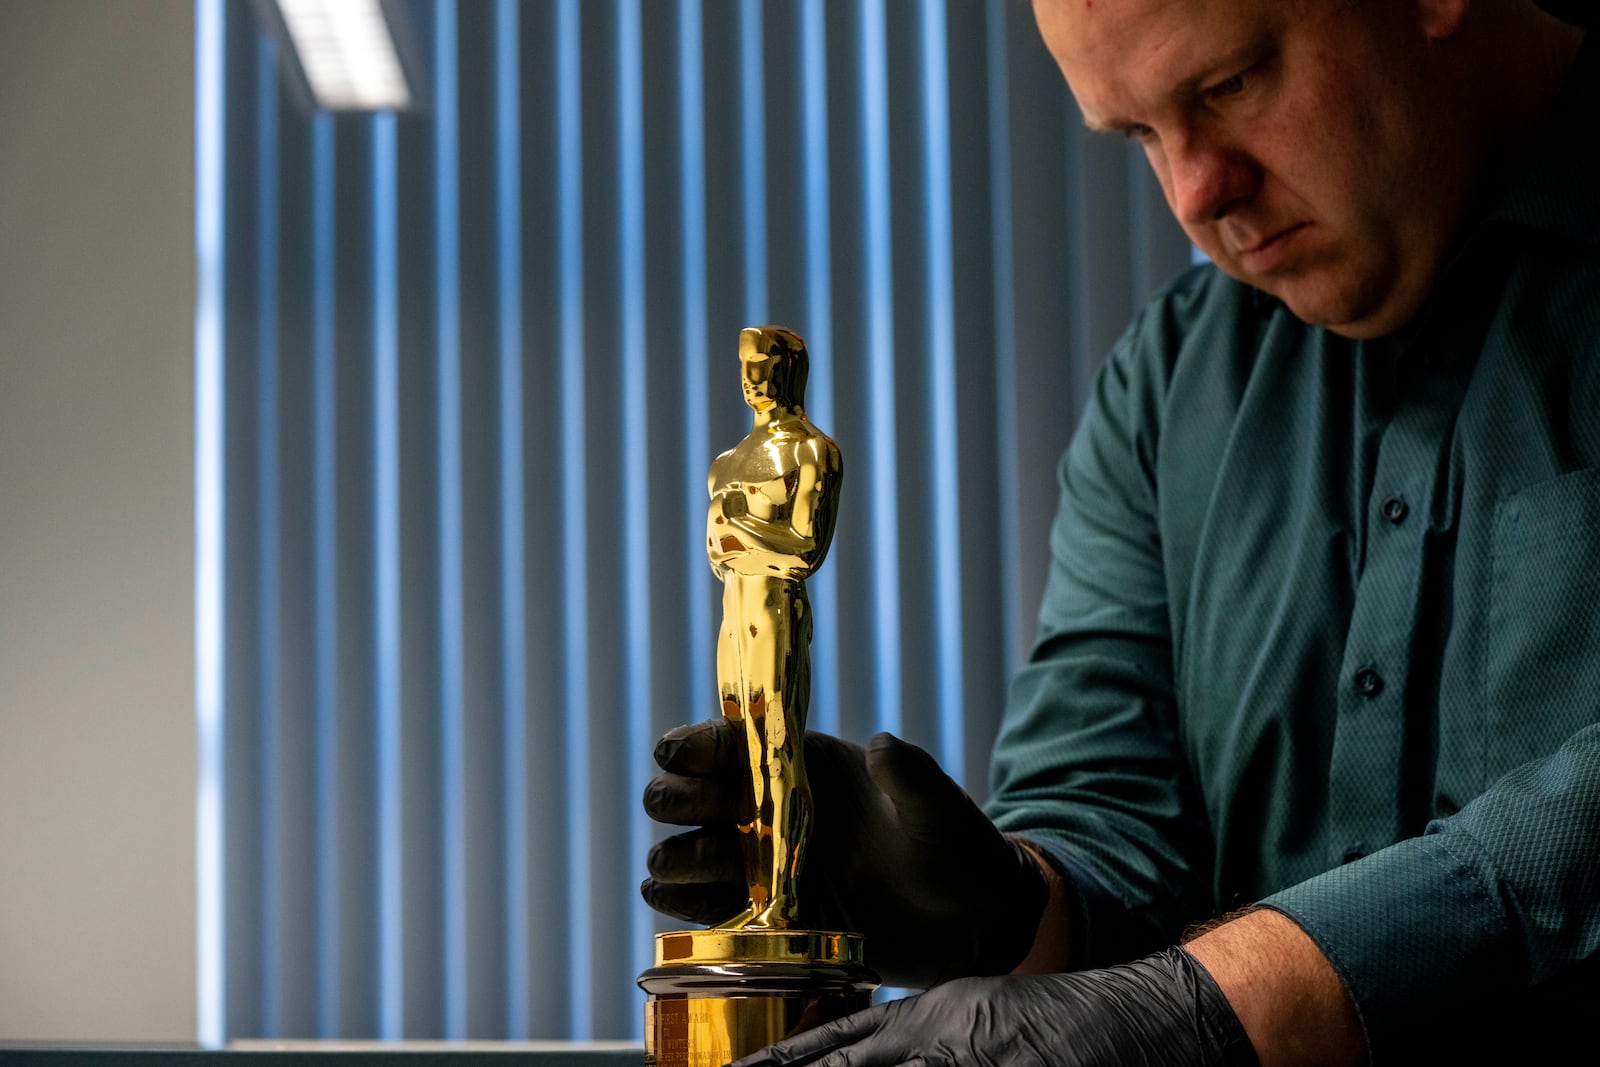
(1409, 929)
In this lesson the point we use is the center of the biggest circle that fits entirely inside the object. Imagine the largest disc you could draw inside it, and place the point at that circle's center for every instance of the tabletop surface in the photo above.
(320, 1053)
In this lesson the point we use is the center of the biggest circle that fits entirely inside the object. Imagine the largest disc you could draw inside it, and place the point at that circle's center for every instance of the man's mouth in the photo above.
(1270, 251)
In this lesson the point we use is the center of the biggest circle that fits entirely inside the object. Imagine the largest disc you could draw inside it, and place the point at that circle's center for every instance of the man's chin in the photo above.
(1339, 311)
(1318, 300)
(1357, 326)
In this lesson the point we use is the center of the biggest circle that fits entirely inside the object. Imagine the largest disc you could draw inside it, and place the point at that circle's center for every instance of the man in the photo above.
(1320, 642)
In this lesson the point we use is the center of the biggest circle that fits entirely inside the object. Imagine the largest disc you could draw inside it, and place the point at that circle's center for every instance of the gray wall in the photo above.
(97, 762)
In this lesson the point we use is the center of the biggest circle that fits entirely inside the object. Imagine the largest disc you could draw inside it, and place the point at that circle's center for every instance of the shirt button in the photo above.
(1394, 509)
(1369, 683)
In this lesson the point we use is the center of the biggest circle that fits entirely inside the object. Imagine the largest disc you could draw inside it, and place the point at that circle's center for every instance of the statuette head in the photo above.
(774, 364)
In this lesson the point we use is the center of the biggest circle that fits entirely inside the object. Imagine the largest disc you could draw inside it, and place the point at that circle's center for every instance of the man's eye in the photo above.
(1138, 131)
(1228, 87)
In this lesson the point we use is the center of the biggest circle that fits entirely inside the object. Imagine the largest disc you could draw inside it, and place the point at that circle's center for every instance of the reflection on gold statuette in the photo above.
(717, 994)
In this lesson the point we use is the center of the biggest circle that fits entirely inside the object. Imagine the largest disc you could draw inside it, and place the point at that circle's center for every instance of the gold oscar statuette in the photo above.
(715, 995)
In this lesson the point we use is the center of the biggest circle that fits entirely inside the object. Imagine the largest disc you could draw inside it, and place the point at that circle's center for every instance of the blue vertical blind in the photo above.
(460, 375)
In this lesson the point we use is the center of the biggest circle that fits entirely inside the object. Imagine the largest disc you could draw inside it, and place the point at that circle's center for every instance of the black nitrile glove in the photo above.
(1163, 1009)
(898, 853)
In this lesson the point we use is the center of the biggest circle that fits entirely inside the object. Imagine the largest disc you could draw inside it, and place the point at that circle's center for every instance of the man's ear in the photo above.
(1441, 19)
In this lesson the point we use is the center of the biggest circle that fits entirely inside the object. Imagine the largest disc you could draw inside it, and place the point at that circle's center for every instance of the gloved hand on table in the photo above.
(898, 852)
(1163, 1009)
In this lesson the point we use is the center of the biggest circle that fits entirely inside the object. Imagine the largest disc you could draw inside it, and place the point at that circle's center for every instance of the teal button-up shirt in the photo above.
(1322, 628)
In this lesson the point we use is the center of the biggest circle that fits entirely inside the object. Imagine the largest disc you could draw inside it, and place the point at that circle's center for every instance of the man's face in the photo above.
(1304, 145)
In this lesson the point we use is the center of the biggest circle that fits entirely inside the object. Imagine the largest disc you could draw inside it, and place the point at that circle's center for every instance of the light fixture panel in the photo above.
(348, 54)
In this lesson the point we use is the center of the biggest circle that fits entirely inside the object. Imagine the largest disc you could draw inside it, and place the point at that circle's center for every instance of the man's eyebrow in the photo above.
(1094, 125)
(1234, 60)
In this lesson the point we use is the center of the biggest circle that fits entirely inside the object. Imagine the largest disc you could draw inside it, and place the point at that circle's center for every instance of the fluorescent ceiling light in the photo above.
(347, 53)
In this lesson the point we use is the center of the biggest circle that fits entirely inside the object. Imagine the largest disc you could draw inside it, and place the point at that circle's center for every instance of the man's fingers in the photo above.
(684, 801)
(709, 854)
(699, 782)
(697, 876)
(712, 747)
(705, 905)
(928, 802)
(834, 1044)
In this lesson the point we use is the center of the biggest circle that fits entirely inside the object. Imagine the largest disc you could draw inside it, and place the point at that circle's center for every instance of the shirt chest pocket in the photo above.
(1541, 667)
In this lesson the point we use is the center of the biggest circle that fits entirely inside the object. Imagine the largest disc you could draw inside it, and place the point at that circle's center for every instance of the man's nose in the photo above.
(1208, 180)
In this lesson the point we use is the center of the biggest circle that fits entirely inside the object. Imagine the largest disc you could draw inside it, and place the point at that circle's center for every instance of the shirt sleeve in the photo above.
(1498, 899)
(1087, 764)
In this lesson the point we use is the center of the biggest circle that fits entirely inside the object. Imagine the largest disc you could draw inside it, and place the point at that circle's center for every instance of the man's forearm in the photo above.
(1286, 994)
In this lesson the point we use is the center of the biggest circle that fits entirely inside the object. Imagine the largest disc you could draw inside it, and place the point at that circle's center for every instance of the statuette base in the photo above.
(716, 995)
